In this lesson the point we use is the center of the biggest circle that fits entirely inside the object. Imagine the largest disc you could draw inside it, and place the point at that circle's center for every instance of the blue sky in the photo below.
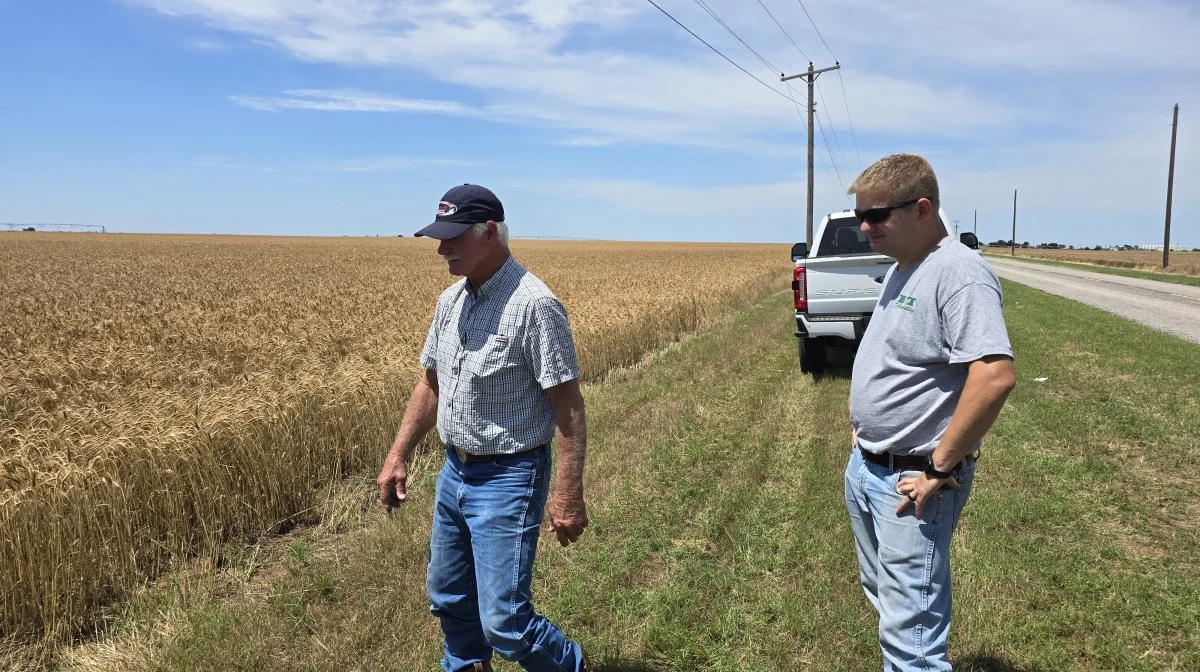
(592, 118)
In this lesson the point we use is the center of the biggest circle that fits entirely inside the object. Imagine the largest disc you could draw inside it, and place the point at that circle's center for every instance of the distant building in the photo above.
(1158, 248)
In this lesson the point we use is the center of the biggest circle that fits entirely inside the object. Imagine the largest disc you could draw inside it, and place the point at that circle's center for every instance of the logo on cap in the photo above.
(446, 208)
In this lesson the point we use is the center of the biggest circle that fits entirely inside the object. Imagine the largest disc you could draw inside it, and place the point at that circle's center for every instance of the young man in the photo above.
(501, 376)
(932, 372)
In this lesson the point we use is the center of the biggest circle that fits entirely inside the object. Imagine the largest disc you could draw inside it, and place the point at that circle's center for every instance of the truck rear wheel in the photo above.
(812, 355)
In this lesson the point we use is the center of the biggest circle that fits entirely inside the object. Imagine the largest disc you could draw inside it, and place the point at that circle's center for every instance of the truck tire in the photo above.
(812, 355)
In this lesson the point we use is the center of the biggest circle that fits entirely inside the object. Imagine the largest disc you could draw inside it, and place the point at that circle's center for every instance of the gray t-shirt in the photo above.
(931, 322)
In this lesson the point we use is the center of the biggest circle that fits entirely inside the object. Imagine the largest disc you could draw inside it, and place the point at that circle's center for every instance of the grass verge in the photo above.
(1172, 278)
(719, 538)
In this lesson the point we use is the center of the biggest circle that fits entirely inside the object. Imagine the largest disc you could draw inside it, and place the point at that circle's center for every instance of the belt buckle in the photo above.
(463, 456)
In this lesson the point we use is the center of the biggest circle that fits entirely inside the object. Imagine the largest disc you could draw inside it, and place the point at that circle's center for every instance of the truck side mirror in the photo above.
(967, 238)
(799, 251)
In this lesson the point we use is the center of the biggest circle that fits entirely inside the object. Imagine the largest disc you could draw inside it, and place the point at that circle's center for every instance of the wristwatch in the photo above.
(932, 471)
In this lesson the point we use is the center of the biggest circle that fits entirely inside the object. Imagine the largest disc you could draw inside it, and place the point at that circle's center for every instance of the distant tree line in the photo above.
(1060, 246)
(1039, 246)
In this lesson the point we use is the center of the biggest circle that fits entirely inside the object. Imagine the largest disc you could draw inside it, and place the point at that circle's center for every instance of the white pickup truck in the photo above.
(836, 286)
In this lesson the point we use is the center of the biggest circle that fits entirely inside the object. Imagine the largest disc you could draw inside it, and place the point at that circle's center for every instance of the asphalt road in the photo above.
(1167, 307)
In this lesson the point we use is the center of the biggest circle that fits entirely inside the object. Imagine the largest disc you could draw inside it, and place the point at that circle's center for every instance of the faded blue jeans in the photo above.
(486, 521)
(904, 561)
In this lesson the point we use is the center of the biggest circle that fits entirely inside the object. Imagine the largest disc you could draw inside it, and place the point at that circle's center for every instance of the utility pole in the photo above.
(956, 228)
(975, 228)
(1012, 249)
(810, 77)
(1170, 186)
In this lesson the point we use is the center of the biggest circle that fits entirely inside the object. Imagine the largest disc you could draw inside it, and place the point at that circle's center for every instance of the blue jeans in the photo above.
(904, 561)
(486, 520)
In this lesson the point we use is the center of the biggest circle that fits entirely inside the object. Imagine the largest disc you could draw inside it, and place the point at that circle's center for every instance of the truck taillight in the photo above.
(799, 288)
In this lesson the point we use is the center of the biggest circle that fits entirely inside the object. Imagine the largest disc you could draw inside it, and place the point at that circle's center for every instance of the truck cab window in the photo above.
(843, 236)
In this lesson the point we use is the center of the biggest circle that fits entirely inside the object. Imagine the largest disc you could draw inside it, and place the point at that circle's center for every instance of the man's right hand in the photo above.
(393, 481)
(568, 517)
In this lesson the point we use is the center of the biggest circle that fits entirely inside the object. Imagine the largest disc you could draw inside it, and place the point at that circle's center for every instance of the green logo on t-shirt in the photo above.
(906, 302)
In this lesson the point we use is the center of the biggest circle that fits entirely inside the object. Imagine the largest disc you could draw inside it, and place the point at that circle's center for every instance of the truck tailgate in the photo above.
(845, 285)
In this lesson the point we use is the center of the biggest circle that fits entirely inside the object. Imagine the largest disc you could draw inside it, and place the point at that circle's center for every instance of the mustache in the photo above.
(449, 257)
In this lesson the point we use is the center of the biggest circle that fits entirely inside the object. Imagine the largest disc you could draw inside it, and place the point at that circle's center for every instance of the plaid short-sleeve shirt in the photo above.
(496, 350)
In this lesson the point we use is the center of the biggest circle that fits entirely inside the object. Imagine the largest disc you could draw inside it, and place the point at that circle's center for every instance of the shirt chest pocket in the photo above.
(497, 354)
(496, 370)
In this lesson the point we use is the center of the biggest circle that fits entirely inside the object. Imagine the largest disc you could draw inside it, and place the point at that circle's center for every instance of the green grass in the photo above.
(1173, 278)
(719, 538)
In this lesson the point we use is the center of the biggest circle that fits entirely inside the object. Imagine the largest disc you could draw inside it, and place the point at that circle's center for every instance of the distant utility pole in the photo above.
(1012, 249)
(975, 228)
(810, 77)
(956, 228)
(1170, 186)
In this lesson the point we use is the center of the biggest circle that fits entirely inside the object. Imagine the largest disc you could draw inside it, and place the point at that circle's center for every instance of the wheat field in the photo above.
(161, 395)
(1181, 263)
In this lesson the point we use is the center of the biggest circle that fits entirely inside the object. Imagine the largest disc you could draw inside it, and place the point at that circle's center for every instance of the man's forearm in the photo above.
(568, 511)
(989, 382)
(419, 417)
(571, 453)
(570, 423)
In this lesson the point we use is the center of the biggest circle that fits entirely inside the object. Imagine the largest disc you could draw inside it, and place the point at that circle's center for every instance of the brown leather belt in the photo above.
(469, 458)
(895, 462)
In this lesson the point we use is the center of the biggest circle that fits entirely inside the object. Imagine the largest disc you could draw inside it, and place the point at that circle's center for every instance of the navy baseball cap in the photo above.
(461, 208)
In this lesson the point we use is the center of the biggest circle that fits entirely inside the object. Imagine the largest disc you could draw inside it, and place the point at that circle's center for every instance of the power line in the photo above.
(713, 14)
(760, 2)
(853, 135)
(830, 152)
(814, 25)
(841, 82)
(805, 56)
(1135, 144)
(833, 161)
(809, 77)
(796, 102)
(833, 130)
(718, 52)
(799, 113)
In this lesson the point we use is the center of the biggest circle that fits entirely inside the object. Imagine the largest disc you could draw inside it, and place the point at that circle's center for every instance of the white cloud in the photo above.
(205, 44)
(1063, 185)
(1048, 37)
(227, 164)
(376, 164)
(521, 59)
(384, 164)
(775, 201)
(589, 141)
(1051, 97)
(345, 100)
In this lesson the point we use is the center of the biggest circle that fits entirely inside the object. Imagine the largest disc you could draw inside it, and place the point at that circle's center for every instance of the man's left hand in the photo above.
(568, 517)
(917, 490)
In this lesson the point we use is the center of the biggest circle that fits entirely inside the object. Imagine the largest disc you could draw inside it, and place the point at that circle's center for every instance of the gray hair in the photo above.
(501, 231)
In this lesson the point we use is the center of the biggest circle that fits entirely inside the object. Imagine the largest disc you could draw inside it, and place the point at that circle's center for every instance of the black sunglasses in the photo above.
(880, 215)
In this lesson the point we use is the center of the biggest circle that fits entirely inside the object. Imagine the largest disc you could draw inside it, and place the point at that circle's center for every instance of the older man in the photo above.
(932, 372)
(501, 376)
